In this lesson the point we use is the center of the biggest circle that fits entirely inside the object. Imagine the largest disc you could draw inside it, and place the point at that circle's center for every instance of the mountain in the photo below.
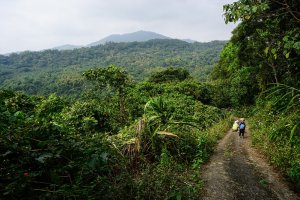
(139, 36)
(67, 47)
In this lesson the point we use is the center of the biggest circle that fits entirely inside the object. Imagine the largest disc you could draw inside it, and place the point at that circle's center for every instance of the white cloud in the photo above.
(40, 24)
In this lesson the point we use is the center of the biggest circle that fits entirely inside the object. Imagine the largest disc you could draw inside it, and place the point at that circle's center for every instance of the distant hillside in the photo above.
(139, 36)
(51, 71)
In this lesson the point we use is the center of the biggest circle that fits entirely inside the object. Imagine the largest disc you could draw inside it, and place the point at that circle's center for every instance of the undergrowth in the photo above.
(51, 149)
(276, 130)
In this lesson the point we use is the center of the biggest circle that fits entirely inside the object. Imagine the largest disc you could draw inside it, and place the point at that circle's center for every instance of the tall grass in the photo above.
(276, 129)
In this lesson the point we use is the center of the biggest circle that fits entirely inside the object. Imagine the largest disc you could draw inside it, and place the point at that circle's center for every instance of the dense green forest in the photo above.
(56, 71)
(120, 141)
(147, 139)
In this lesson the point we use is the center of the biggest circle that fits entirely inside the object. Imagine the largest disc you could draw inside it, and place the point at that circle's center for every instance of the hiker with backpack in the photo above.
(242, 127)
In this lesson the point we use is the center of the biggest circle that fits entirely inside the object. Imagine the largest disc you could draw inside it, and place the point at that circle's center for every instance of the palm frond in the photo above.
(166, 133)
(289, 95)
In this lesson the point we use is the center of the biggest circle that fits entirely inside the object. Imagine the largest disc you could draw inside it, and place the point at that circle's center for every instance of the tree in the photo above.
(170, 75)
(228, 64)
(115, 78)
(264, 48)
(267, 38)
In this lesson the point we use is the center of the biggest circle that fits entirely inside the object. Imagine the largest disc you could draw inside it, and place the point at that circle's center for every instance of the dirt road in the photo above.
(237, 171)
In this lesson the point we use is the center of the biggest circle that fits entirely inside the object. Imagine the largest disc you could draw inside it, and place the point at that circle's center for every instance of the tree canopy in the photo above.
(56, 71)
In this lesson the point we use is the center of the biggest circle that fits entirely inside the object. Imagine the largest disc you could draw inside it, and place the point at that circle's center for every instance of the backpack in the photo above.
(242, 126)
(235, 127)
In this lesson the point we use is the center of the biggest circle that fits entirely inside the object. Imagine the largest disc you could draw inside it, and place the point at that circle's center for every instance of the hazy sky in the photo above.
(42, 24)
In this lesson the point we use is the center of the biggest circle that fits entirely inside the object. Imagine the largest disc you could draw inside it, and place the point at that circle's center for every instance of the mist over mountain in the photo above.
(189, 40)
(67, 47)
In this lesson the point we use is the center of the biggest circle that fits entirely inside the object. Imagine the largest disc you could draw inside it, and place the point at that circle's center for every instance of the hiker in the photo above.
(235, 125)
(242, 127)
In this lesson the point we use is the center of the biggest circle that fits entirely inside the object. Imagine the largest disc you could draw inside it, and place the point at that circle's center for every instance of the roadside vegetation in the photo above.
(130, 141)
(261, 63)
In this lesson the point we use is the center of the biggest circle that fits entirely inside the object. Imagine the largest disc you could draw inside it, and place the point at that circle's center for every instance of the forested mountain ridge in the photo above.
(139, 36)
(60, 71)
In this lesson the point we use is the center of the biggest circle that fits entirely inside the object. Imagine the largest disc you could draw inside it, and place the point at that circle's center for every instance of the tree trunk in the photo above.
(123, 113)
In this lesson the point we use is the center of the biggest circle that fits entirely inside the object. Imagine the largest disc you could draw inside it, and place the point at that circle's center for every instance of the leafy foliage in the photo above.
(53, 71)
(170, 75)
(115, 78)
(277, 133)
(44, 159)
(264, 44)
(56, 148)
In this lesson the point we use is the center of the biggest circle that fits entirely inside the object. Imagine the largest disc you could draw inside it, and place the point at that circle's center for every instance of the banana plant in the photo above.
(158, 119)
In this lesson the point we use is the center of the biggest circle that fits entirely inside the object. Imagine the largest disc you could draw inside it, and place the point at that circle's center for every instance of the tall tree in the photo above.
(268, 38)
(114, 77)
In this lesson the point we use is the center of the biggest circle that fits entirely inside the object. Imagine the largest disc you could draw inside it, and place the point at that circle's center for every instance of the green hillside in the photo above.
(56, 71)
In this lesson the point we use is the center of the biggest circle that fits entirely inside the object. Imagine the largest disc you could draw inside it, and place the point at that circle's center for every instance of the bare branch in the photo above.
(288, 7)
